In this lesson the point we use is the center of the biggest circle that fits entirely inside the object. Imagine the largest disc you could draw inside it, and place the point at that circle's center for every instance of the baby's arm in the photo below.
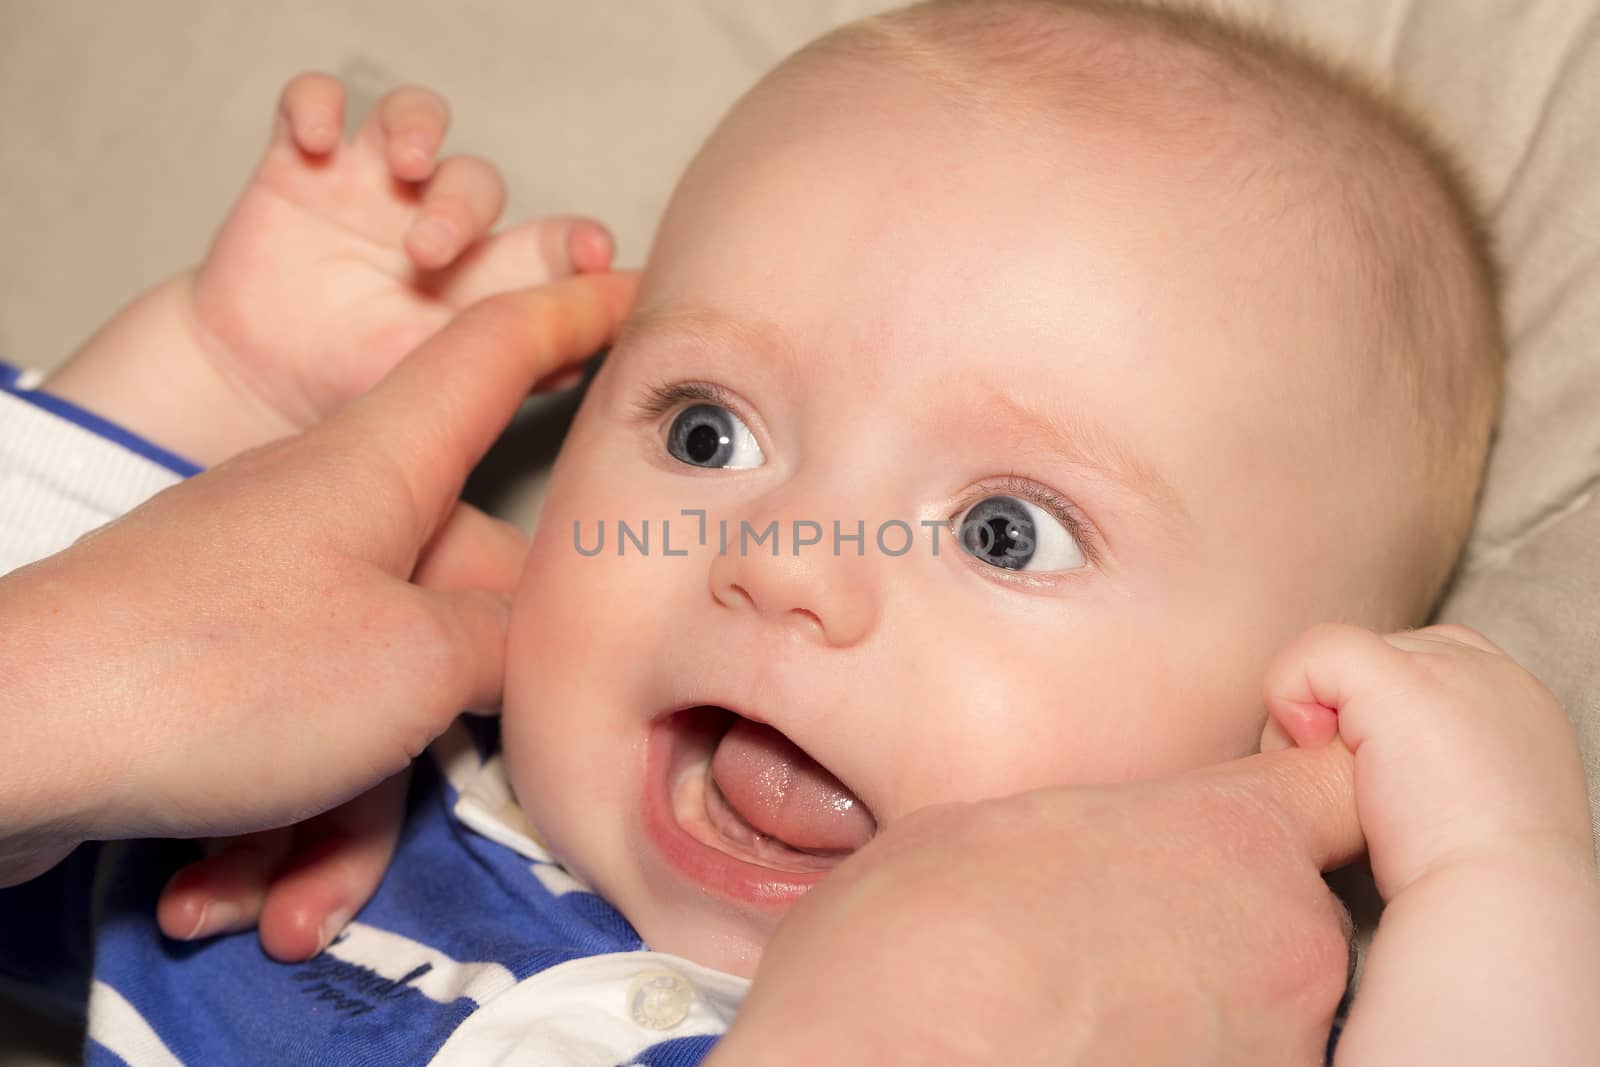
(1471, 796)
(337, 259)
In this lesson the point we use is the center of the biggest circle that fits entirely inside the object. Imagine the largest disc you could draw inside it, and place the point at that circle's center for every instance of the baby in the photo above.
(1014, 385)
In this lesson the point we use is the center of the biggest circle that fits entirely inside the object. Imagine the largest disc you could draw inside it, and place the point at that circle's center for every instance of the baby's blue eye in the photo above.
(709, 435)
(1016, 535)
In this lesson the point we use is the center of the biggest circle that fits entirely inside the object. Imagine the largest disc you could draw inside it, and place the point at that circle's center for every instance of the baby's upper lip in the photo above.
(744, 711)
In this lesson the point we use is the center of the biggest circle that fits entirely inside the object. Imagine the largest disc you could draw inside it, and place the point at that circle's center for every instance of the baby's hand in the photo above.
(1461, 756)
(300, 884)
(341, 256)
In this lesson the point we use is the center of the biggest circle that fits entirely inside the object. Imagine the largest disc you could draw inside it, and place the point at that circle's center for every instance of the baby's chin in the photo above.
(670, 914)
(682, 921)
(676, 915)
(720, 945)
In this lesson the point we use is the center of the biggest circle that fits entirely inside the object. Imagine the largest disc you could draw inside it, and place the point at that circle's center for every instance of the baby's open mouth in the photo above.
(743, 788)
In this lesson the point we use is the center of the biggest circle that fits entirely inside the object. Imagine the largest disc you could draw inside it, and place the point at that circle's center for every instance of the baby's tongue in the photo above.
(784, 793)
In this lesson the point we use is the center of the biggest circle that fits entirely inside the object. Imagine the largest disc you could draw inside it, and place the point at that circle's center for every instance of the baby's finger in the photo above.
(1447, 632)
(223, 892)
(311, 113)
(459, 205)
(406, 129)
(473, 551)
(1316, 676)
(590, 246)
(530, 253)
(341, 858)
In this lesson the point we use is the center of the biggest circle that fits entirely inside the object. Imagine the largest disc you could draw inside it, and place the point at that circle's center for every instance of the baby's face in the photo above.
(1095, 367)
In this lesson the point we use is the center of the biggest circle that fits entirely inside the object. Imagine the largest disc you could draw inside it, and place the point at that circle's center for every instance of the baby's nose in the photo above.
(795, 577)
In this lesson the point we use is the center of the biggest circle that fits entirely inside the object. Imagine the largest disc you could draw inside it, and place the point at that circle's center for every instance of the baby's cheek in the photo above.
(570, 825)
(578, 630)
(1200, 704)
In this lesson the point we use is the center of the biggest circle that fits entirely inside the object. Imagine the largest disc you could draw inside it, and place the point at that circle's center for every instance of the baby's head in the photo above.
(1131, 344)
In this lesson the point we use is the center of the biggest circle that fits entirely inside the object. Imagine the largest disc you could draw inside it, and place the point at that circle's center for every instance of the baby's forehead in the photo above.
(893, 243)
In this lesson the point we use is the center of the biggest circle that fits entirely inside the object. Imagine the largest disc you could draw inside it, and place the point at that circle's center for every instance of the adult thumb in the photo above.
(439, 410)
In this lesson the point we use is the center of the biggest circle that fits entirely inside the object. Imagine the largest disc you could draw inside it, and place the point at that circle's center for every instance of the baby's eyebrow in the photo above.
(1085, 443)
(1071, 435)
(703, 326)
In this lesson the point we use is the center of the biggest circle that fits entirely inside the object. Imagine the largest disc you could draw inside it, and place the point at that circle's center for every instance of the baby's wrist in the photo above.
(1547, 857)
(156, 372)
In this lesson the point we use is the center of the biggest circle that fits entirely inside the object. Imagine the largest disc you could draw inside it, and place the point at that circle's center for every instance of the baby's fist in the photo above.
(1461, 754)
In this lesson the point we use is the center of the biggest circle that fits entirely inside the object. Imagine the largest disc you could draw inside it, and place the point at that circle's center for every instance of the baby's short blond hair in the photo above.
(1393, 203)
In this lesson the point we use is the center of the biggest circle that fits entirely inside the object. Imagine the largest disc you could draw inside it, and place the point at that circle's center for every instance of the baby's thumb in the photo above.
(531, 253)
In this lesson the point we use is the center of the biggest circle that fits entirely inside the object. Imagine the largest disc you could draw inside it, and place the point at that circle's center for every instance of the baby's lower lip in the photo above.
(677, 825)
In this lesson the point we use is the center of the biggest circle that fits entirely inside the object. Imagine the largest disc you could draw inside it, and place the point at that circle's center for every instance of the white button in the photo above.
(660, 999)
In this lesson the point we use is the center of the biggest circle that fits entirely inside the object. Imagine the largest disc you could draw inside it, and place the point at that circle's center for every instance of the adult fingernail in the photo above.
(218, 916)
(331, 927)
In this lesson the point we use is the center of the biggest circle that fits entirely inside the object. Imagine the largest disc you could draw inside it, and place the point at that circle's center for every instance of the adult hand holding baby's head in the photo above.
(246, 649)
(1180, 920)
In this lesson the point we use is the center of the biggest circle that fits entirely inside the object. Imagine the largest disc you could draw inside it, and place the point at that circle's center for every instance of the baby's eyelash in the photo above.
(662, 397)
(1066, 511)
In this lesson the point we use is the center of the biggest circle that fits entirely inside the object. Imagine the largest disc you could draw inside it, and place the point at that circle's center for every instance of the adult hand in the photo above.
(245, 650)
(1181, 921)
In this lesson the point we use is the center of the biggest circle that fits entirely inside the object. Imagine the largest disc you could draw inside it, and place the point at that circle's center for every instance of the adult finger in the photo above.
(470, 625)
(1309, 794)
(438, 412)
(472, 551)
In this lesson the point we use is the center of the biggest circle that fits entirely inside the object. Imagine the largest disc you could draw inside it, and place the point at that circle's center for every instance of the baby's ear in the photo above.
(472, 551)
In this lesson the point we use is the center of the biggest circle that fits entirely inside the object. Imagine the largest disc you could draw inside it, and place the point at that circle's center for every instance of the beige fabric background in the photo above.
(130, 126)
